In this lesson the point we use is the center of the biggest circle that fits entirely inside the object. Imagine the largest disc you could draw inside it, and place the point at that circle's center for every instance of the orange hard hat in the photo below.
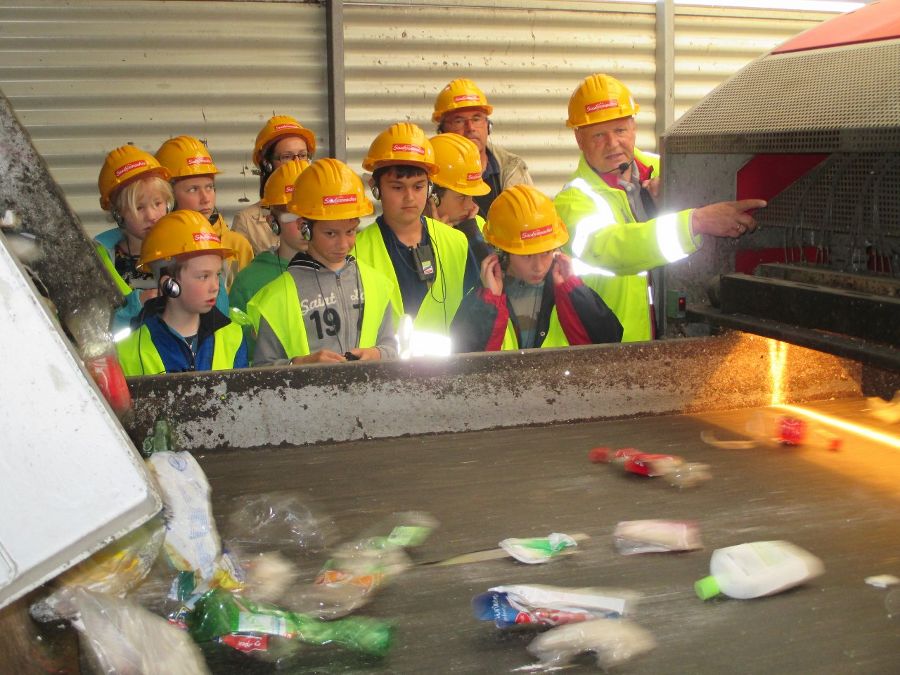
(460, 93)
(277, 128)
(178, 233)
(523, 220)
(122, 166)
(401, 143)
(600, 98)
(460, 165)
(280, 185)
(329, 190)
(186, 156)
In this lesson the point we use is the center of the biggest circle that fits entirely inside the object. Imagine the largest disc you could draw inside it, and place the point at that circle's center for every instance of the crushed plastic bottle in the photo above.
(218, 614)
(656, 536)
(756, 569)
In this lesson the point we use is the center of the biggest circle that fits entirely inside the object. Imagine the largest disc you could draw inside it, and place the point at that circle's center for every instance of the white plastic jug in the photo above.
(756, 569)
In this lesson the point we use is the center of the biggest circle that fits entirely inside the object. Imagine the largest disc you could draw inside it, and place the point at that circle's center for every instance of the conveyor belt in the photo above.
(485, 486)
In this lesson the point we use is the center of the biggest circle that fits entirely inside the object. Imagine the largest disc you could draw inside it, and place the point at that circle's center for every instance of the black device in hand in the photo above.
(350, 356)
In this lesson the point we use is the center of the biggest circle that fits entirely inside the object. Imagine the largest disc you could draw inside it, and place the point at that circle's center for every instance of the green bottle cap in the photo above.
(707, 588)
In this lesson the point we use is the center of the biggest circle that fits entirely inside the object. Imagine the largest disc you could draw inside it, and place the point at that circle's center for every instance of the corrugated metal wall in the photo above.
(398, 57)
(711, 44)
(87, 76)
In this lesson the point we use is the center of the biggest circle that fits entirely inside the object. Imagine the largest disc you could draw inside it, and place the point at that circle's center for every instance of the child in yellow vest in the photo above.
(428, 261)
(327, 307)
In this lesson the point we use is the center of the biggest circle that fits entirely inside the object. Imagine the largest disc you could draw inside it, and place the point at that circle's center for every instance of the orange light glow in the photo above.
(778, 352)
(888, 439)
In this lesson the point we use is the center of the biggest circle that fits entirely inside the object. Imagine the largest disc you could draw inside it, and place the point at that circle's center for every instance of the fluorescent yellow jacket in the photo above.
(556, 337)
(612, 251)
(279, 303)
(451, 251)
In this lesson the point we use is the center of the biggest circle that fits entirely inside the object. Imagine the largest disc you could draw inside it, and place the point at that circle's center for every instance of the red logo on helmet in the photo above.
(333, 200)
(131, 166)
(289, 189)
(601, 105)
(207, 236)
(408, 147)
(538, 232)
(473, 176)
(286, 125)
(466, 97)
(194, 161)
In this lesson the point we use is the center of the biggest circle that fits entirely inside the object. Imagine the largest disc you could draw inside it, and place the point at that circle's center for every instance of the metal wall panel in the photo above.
(87, 76)
(528, 61)
(529, 56)
(712, 44)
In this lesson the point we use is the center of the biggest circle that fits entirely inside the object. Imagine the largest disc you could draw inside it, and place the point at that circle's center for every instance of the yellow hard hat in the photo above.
(461, 93)
(186, 156)
(401, 143)
(523, 220)
(277, 128)
(179, 233)
(600, 98)
(460, 165)
(280, 185)
(329, 190)
(123, 165)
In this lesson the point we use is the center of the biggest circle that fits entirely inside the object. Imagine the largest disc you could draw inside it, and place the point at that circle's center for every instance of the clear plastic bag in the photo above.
(613, 641)
(123, 638)
(279, 521)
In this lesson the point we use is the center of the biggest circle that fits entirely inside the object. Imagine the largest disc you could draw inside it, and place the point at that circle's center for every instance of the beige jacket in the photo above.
(251, 222)
(513, 170)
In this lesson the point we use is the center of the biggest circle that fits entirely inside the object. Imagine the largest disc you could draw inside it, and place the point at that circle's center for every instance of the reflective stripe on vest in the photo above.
(121, 284)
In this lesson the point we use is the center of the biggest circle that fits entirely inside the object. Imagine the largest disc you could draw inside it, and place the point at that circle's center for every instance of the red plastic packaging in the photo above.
(107, 373)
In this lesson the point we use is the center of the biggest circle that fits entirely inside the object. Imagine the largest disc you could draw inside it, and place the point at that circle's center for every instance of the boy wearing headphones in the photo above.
(530, 297)
(182, 330)
(134, 188)
(327, 307)
(269, 265)
(193, 177)
(428, 261)
(282, 139)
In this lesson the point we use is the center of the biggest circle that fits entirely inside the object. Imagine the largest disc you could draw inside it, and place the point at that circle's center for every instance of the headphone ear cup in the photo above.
(376, 192)
(274, 224)
(503, 258)
(430, 189)
(490, 126)
(170, 287)
(117, 217)
(305, 232)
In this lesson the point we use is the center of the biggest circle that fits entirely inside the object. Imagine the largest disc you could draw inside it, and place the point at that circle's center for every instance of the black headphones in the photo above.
(169, 287)
(273, 223)
(503, 258)
(118, 218)
(376, 191)
(305, 230)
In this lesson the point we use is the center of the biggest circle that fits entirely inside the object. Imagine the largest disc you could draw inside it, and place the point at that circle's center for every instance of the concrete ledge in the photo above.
(307, 405)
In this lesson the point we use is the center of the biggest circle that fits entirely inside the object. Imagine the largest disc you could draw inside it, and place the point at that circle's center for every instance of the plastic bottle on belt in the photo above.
(757, 569)
(778, 428)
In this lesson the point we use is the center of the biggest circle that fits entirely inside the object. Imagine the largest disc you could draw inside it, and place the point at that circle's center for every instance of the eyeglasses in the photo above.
(459, 122)
(290, 156)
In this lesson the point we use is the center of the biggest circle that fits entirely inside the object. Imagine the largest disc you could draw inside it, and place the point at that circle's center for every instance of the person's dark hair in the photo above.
(400, 170)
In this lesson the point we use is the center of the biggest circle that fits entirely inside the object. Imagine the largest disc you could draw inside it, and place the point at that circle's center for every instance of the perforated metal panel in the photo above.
(855, 194)
(833, 100)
